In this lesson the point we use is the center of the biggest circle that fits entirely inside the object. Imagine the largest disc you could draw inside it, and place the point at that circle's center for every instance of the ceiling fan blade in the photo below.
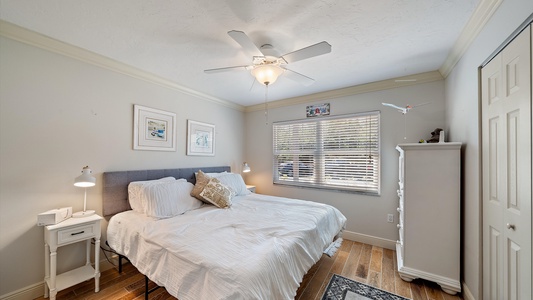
(307, 52)
(297, 77)
(394, 106)
(246, 43)
(226, 69)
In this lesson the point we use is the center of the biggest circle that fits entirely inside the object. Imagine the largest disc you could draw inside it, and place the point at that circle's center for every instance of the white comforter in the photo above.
(259, 248)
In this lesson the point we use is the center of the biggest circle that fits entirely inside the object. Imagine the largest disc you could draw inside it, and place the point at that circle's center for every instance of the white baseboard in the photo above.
(30, 292)
(467, 295)
(368, 239)
(37, 290)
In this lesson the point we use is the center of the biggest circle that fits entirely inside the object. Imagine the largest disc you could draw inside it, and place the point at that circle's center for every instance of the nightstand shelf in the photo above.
(73, 230)
(73, 277)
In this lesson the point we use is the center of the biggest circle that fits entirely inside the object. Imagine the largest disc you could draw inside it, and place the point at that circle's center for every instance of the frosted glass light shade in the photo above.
(267, 74)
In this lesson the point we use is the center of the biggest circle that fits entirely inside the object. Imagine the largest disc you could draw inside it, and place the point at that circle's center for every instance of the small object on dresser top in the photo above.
(435, 136)
(54, 216)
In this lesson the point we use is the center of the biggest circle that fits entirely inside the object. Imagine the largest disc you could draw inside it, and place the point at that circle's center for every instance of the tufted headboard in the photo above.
(115, 194)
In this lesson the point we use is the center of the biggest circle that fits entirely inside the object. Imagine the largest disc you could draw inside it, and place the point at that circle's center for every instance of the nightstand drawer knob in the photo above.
(76, 233)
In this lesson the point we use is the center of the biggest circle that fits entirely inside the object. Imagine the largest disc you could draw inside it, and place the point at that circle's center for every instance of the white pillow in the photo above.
(235, 182)
(169, 199)
(135, 189)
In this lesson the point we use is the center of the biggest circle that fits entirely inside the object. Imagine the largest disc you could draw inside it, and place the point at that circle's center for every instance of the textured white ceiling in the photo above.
(177, 40)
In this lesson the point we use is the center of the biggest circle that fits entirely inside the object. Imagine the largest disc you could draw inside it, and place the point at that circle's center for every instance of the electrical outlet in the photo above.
(390, 218)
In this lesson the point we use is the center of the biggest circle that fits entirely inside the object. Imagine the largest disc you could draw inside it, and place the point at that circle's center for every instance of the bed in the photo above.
(258, 248)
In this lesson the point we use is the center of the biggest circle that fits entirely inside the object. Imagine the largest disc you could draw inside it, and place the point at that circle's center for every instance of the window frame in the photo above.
(320, 154)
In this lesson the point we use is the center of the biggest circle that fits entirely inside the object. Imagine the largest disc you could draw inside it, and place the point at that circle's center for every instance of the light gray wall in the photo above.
(58, 115)
(462, 117)
(366, 215)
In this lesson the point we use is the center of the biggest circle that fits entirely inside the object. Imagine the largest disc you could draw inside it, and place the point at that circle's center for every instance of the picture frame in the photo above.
(200, 138)
(317, 110)
(153, 129)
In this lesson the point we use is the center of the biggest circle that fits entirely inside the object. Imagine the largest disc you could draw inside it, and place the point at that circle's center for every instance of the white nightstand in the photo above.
(251, 188)
(71, 231)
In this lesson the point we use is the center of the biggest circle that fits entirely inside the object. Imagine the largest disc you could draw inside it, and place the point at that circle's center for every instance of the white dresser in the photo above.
(429, 213)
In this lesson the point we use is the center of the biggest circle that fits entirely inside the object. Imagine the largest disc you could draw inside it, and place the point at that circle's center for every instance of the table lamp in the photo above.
(85, 180)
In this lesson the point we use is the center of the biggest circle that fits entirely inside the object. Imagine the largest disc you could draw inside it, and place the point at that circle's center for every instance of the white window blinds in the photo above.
(340, 153)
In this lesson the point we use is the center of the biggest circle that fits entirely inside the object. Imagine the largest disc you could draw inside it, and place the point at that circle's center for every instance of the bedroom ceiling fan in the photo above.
(266, 66)
(405, 109)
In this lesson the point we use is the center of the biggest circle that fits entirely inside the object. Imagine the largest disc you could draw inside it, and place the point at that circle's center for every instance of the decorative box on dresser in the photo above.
(429, 213)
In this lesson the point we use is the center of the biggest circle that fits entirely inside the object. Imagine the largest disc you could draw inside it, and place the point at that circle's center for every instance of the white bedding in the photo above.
(259, 248)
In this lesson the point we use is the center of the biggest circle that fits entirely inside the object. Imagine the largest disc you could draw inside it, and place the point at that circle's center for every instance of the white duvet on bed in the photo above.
(259, 248)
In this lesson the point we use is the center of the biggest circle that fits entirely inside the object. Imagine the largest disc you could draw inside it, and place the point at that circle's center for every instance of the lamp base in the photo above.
(83, 214)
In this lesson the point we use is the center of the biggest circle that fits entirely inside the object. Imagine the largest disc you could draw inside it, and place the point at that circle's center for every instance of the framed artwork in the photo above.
(200, 138)
(317, 110)
(153, 129)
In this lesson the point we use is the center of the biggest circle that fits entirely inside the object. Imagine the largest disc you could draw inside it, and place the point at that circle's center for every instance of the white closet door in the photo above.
(506, 147)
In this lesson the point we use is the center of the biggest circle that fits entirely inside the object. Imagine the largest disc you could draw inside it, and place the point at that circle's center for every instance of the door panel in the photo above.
(506, 158)
(495, 263)
(513, 271)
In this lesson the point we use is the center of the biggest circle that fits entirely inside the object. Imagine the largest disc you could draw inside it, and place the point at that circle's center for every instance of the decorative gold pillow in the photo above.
(217, 193)
(201, 181)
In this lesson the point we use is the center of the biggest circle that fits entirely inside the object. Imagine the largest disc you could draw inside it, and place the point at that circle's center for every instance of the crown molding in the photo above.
(353, 90)
(23, 35)
(479, 18)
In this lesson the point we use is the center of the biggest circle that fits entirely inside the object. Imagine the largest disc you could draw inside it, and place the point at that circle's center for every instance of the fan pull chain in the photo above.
(266, 104)
(404, 126)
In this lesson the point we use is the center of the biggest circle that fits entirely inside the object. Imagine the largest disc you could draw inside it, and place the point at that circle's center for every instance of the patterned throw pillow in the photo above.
(217, 193)
(201, 181)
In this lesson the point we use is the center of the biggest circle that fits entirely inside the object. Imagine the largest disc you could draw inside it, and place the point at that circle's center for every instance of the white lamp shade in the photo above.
(85, 179)
(245, 168)
(267, 74)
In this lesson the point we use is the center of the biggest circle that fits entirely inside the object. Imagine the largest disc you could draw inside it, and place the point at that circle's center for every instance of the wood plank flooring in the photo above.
(365, 263)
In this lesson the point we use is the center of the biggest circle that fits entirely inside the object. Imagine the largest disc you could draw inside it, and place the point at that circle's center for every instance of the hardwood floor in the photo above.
(361, 262)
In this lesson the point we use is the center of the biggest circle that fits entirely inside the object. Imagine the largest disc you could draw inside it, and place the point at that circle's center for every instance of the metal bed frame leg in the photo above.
(146, 280)
(146, 290)
(120, 263)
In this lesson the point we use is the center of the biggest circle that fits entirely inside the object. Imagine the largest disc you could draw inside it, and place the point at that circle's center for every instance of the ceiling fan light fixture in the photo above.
(267, 74)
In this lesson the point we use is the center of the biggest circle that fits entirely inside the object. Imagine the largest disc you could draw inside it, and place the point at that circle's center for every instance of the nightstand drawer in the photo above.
(75, 234)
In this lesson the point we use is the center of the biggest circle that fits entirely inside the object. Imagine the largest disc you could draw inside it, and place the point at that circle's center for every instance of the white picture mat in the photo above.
(153, 129)
(200, 138)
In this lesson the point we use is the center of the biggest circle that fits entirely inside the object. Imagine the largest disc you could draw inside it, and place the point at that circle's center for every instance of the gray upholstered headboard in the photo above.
(115, 194)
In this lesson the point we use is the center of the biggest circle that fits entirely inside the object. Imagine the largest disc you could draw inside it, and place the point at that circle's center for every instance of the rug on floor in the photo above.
(342, 288)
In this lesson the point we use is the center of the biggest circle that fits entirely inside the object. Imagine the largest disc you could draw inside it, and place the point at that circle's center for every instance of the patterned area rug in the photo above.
(342, 288)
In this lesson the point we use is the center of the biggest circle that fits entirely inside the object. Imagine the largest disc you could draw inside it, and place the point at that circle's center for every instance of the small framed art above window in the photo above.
(341, 153)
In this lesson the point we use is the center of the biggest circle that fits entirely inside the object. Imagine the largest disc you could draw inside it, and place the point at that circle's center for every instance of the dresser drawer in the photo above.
(74, 234)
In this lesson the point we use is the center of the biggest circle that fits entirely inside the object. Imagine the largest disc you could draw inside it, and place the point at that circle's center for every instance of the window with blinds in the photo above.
(341, 153)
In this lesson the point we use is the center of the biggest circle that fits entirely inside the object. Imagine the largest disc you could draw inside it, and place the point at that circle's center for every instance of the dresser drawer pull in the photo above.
(76, 233)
